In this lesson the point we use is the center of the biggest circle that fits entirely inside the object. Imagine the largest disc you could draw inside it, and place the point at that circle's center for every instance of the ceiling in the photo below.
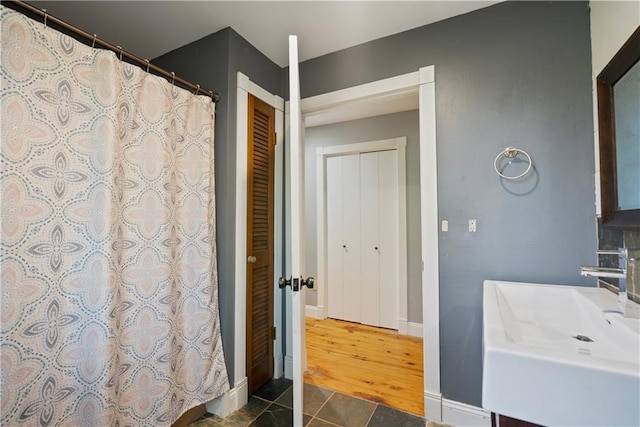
(150, 28)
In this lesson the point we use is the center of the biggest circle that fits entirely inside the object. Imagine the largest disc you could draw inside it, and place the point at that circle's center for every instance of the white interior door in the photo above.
(369, 224)
(363, 237)
(296, 180)
(388, 248)
(335, 244)
(351, 291)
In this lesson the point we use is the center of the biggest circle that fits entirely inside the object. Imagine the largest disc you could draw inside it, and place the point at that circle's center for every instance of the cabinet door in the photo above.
(369, 223)
(351, 237)
(388, 238)
(335, 250)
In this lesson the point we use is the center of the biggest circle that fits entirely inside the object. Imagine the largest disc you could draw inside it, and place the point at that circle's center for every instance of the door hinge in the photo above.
(273, 332)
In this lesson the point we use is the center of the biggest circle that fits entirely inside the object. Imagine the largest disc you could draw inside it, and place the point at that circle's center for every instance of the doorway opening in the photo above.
(367, 100)
(360, 251)
(371, 100)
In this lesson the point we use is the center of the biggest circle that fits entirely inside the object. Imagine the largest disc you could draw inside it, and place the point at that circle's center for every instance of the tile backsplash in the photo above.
(632, 243)
(614, 239)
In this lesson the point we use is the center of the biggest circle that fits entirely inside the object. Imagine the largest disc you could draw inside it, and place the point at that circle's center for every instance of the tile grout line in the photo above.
(371, 416)
(269, 403)
(315, 414)
(322, 406)
(324, 421)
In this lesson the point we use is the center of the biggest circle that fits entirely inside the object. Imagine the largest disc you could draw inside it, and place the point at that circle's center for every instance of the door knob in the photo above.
(283, 281)
(296, 283)
(251, 259)
(309, 283)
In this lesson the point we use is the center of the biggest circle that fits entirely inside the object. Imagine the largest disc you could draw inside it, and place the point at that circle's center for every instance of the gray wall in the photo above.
(370, 129)
(516, 73)
(213, 62)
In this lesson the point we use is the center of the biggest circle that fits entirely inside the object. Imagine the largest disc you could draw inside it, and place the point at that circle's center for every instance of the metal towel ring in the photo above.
(510, 153)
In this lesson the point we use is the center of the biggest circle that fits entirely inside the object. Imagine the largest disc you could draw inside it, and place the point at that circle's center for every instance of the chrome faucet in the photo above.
(619, 273)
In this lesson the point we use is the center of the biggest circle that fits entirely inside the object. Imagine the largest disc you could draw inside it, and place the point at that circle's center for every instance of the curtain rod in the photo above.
(117, 49)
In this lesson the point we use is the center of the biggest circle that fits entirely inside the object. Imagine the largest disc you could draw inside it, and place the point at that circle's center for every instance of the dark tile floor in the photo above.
(271, 407)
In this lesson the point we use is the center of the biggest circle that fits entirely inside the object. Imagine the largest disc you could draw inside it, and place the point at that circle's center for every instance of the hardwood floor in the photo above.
(373, 363)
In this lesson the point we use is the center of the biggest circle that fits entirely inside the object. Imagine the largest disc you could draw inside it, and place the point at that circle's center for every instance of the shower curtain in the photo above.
(109, 301)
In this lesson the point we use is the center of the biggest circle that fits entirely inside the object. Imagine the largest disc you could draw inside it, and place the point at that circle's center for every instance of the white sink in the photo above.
(539, 365)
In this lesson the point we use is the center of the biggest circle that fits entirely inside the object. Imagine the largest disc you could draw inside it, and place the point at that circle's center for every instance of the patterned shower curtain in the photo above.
(109, 301)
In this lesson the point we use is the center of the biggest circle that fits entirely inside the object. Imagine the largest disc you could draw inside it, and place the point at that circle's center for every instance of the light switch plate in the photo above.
(445, 225)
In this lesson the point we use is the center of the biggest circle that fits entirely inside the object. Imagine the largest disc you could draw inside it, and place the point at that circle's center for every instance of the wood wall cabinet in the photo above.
(363, 238)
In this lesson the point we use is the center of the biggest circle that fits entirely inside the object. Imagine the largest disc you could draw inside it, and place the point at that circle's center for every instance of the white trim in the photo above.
(433, 406)
(424, 82)
(244, 88)
(429, 232)
(321, 256)
(278, 369)
(403, 327)
(463, 415)
(399, 144)
(296, 183)
(240, 371)
(248, 86)
(398, 94)
(410, 328)
(314, 311)
(231, 401)
(288, 366)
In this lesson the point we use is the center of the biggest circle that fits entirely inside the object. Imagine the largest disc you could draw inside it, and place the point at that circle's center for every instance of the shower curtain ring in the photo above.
(197, 90)
(93, 43)
(173, 78)
(147, 61)
(120, 47)
(45, 17)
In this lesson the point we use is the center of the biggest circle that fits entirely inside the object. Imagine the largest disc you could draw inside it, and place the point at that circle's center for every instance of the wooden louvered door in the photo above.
(260, 226)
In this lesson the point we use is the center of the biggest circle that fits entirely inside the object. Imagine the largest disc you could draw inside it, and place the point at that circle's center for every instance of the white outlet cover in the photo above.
(445, 225)
(472, 225)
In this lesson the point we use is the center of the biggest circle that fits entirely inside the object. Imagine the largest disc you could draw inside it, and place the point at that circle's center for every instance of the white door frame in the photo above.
(244, 88)
(322, 153)
(371, 96)
(423, 82)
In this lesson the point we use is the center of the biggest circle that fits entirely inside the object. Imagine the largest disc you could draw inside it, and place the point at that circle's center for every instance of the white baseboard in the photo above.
(231, 401)
(288, 367)
(414, 329)
(433, 406)
(463, 415)
(314, 311)
(409, 328)
(278, 367)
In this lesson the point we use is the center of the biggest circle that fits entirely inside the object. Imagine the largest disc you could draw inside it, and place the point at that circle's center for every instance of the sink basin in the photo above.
(560, 355)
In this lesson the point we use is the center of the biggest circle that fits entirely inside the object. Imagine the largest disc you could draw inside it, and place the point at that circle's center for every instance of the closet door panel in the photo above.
(369, 223)
(335, 251)
(351, 236)
(389, 239)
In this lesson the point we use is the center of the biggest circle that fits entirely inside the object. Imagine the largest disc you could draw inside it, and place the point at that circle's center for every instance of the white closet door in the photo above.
(369, 222)
(389, 239)
(335, 251)
(362, 238)
(351, 289)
